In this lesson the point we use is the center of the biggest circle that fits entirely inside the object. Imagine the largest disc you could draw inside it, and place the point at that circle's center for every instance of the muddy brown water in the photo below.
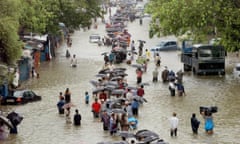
(43, 125)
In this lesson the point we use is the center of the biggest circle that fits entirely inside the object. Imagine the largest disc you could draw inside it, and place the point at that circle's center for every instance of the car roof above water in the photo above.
(237, 65)
(166, 41)
(18, 93)
(94, 35)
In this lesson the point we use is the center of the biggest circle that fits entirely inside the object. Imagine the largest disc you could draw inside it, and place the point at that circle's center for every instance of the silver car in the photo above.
(166, 46)
(236, 70)
(94, 38)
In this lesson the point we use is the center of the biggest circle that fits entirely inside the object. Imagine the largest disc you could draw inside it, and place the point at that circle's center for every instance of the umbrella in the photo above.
(144, 84)
(117, 110)
(15, 118)
(98, 90)
(126, 134)
(160, 142)
(115, 105)
(110, 87)
(120, 142)
(68, 105)
(132, 88)
(120, 99)
(142, 41)
(118, 70)
(146, 133)
(94, 83)
(120, 74)
(122, 69)
(104, 71)
(112, 83)
(104, 53)
(149, 139)
(6, 121)
(137, 65)
(104, 143)
(118, 92)
(116, 78)
(100, 75)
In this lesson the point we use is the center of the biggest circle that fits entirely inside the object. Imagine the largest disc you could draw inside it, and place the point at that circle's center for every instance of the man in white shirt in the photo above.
(74, 61)
(129, 95)
(111, 66)
(174, 124)
(16, 79)
(172, 87)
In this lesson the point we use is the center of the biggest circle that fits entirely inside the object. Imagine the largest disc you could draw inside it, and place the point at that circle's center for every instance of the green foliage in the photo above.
(73, 13)
(41, 17)
(44, 16)
(204, 18)
(10, 46)
(34, 16)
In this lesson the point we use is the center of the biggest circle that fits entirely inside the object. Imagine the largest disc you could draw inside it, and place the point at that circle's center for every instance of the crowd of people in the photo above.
(64, 106)
(116, 108)
(119, 111)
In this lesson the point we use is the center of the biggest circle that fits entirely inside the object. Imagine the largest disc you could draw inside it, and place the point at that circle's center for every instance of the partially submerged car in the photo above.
(21, 97)
(94, 38)
(139, 7)
(236, 70)
(166, 46)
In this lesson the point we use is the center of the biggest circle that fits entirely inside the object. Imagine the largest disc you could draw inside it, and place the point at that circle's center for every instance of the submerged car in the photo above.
(94, 38)
(21, 97)
(166, 46)
(236, 70)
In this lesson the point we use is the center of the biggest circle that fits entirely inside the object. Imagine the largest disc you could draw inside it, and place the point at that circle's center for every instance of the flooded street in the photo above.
(43, 125)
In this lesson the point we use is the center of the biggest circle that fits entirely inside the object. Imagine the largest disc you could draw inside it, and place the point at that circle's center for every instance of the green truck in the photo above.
(203, 59)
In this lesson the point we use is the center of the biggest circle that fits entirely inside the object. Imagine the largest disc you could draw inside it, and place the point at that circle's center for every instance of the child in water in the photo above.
(86, 98)
(68, 117)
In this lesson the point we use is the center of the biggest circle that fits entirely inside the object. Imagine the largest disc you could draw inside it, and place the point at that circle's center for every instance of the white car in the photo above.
(94, 38)
(139, 7)
(236, 70)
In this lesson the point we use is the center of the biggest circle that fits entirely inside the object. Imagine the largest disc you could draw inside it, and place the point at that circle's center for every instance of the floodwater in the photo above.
(43, 125)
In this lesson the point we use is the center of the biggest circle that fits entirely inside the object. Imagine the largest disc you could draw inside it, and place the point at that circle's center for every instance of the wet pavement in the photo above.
(43, 125)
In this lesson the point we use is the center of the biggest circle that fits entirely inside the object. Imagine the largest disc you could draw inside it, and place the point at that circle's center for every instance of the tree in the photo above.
(10, 46)
(204, 18)
(73, 13)
(44, 16)
(40, 17)
(34, 16)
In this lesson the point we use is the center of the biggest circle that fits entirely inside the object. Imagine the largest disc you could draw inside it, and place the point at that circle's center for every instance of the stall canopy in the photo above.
(33, 45)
